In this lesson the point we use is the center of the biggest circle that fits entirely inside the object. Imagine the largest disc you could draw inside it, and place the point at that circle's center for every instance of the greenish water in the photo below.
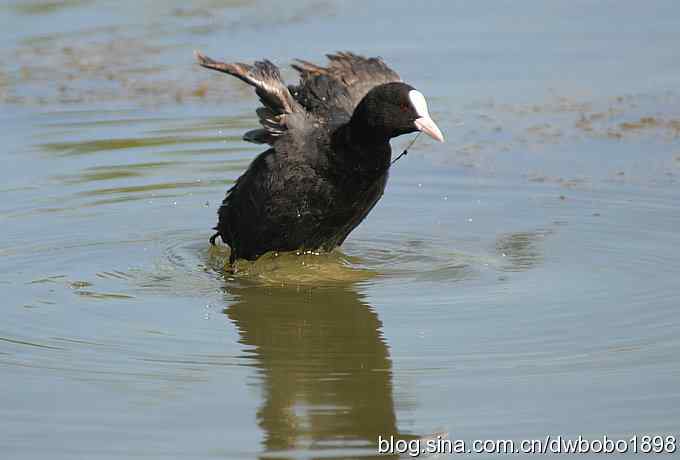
(518, 281)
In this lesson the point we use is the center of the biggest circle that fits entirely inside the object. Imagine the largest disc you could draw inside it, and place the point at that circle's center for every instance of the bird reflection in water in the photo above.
(325, 368)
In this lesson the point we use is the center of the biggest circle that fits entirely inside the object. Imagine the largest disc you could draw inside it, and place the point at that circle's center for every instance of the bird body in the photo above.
(329, 158)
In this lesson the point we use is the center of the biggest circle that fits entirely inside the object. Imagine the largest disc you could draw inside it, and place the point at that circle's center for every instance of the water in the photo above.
(518, 281)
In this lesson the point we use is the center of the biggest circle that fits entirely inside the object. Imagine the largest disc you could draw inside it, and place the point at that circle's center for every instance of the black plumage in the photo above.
(329, 157)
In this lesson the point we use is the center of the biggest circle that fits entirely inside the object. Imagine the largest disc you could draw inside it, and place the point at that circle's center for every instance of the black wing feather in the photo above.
(343, 83)
(278, 103)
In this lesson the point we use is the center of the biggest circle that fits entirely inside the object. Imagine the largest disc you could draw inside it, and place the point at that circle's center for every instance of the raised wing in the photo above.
(343, 83)
(279, 111)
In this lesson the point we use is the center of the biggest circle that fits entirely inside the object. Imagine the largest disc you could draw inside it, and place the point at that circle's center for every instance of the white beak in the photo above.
(427, 126)
(424, 123)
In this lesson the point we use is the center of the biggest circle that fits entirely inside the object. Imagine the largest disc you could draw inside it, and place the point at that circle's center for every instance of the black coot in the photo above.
(329, 156)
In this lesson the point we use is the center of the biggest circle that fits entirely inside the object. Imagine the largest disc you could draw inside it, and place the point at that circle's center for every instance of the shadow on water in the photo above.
(523, 250)
(324, 366)
(292, 269)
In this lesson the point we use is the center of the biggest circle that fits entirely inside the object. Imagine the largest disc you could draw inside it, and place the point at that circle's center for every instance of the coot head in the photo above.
(393, 109)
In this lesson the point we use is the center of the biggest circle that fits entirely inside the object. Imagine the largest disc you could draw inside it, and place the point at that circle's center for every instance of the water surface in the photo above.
(518, 281)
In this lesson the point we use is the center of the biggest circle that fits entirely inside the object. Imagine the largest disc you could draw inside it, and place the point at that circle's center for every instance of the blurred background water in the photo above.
(519, 280)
